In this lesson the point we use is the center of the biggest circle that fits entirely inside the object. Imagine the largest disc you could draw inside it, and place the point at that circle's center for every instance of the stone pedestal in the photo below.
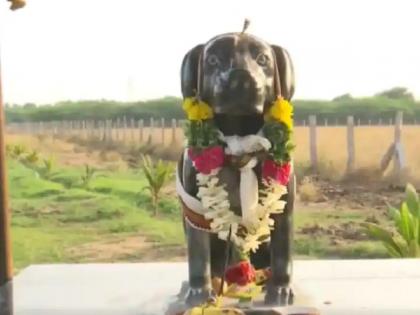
(301, 306)
(334, 287)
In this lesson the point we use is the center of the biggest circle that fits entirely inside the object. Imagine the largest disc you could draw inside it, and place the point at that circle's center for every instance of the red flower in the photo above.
(278, 172)
(208, 159)
(241, 273)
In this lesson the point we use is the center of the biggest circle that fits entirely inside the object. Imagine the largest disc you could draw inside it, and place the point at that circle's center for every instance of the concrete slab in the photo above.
(336, 287)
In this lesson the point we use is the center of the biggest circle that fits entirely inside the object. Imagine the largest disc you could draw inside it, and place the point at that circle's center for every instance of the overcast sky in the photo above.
(56, 50)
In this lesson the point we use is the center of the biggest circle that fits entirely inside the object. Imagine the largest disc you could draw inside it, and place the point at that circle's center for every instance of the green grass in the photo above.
(52, 216)
(321, 245)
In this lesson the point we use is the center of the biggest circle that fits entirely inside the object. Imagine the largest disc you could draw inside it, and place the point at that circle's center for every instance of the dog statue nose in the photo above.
(239, 80)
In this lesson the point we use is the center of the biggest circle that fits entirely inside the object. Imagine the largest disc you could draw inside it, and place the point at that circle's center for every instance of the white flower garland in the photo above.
(214, 199)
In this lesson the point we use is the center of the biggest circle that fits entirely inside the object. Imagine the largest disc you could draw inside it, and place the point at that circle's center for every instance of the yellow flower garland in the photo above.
(281, 111)
(197, 110)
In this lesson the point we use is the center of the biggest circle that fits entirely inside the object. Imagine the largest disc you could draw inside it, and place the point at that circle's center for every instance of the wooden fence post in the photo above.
(399, 161)
(162, 126)
(350, 144)
(98, 129)
(140, 126)
(395, 150)
(132, 130)
(109, 132)
(41, 128)
(117, 129)
(312, 142)
(104, 135)
(91, 129)
(151, 130)
(173, 130)
(84, 123)
(56, 126)
(124, 129)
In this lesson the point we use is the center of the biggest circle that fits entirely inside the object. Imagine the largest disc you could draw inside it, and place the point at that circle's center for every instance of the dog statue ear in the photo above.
(285, 71)
(190, 71)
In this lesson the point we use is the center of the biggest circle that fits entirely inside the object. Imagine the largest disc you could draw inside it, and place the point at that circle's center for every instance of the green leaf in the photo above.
(413, 249)
(379, 233)
(417, 233)
(412, 200)
(391, 251)
(405, 226)
(395, 214)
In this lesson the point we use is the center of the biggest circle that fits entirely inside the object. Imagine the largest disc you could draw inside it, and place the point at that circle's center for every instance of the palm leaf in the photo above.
(413, 249)
(405, 226)
(412, 200)
(379, 233)
(395, 215)
(392, 251)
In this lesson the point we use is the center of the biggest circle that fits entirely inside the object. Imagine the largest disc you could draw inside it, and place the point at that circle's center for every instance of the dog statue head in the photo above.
(237, 74)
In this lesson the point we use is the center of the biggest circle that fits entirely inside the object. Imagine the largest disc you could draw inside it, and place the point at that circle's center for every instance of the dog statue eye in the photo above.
(213, 60)
(262, 59)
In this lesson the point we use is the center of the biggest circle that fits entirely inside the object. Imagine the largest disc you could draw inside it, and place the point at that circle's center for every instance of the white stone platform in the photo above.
(336, 287)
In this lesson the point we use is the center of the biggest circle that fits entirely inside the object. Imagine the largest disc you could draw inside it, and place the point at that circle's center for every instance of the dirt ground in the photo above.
(129, 248)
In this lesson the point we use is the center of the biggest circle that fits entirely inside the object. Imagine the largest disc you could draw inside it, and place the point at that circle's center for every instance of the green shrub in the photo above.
(31, 159)
(406, 241)
(15, 151)
(157, 175)
(87, 177)
(46, 171)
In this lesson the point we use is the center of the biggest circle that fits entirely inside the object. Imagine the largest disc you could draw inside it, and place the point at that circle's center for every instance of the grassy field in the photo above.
(56, 218)
(371, 143)
(53, 218)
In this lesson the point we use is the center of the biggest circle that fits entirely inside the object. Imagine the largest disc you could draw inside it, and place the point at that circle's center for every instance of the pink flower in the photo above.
(208, 159)
(278, 172)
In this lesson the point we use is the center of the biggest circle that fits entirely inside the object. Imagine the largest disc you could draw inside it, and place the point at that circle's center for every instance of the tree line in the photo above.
(380, 106)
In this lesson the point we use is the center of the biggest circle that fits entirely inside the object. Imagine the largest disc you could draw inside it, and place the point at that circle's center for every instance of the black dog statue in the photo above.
(239, 76)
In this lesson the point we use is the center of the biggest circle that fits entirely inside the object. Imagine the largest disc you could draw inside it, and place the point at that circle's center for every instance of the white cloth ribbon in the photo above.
(248, 186)
(191, 202)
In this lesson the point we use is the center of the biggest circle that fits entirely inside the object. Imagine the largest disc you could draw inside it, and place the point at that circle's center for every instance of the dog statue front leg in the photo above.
(200, 289)
(278, 289)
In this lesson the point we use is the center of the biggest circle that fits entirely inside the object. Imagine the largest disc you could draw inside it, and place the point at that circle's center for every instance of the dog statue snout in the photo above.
(240, 80)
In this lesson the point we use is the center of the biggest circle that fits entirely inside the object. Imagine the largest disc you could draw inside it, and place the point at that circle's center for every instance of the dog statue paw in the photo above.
(279, 295)
(199, 296)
